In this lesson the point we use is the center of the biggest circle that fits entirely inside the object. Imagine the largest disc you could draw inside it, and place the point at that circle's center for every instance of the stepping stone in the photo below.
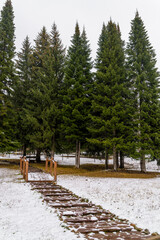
(63, 205)
(60, 199)
(104, 229)
(57, 194)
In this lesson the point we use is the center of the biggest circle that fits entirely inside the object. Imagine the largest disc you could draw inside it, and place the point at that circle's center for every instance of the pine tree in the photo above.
(108, 111)
(143, 79)
(78, 80)
(22, 92)
(7, 77)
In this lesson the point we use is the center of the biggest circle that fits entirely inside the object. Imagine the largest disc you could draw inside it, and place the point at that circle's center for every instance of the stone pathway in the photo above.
(86, 218)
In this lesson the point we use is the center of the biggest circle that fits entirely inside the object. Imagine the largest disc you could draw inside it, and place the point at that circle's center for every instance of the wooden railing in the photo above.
(52, 169)
(24, 165)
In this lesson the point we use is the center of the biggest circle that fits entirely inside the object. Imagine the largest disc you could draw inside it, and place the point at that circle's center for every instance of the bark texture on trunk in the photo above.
(121, 159)
(53, 147)
(106, 158)
(38, 155)
(117, 159)
(78, 147)
(24, 150)
(143, 163)
(114, 158)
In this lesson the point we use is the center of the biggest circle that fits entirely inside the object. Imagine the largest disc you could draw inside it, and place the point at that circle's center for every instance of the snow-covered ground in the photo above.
(23, 215)
(137, 200)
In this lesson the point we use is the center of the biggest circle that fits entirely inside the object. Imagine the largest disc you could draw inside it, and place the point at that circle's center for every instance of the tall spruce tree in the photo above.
(143, 78)
(35, 102)
(7, 76)
(22, 92)
(108, 107)
(44, 106)
(55, 69)
(78, 80)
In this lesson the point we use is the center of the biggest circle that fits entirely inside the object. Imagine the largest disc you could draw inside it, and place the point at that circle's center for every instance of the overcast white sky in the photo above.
(32, 15)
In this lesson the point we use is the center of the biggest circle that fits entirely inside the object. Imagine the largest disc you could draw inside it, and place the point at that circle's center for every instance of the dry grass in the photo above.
(10, 166)
(98, 170)
(87, 170)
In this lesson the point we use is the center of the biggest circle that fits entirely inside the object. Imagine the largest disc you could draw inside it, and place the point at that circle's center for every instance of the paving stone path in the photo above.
(84, 217)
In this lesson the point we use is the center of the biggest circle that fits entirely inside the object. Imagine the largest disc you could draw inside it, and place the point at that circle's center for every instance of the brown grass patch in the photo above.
(87, 170)
(98, 170)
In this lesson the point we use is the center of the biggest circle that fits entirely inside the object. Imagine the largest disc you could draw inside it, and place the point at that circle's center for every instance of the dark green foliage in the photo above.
(143, 80)
(78, 83)
(7, 45)
(7, 77)
(36, 100)
(44, 105)
(22, 92)
(108, 107)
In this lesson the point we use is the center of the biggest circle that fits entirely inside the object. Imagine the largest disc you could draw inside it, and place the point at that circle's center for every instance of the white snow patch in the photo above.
(137, 200)
(23, 215)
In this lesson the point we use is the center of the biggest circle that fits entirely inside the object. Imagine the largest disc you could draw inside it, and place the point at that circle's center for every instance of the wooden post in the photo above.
(21, 164)
(55, 171)
(46, 165)
(26, 177)
(24, 167)
(51, 165)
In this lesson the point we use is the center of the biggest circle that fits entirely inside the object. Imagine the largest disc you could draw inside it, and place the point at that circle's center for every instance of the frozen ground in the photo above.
(137, 200)
(23, 215)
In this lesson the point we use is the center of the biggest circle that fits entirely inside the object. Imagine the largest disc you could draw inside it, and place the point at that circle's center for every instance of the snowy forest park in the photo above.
(58, 100)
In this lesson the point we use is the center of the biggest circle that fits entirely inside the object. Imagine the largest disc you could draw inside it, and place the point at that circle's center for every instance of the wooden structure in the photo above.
(52, 169)
(24, 165)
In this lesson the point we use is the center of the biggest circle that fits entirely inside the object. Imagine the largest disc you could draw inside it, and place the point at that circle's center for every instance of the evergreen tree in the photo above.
(22, 92)
(78, 80)
(143, 78)
(55, 72)
(108, 107)
(44, 106)
(7, 45)
(35, 101)
(7, 77)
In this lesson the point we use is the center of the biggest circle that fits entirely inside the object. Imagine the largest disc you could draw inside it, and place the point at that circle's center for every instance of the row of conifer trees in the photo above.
(58, 100)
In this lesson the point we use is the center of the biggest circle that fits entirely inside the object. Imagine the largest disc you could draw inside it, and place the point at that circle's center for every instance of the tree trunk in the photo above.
(38, 155)
(77, 163)
(24, 150)
(143, 163)
(117, 159)
(121, 159)
(114, 158)
(106, 158)
(53, 147)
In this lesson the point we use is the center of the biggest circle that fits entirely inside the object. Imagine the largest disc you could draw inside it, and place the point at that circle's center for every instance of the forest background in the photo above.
(55, 99)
